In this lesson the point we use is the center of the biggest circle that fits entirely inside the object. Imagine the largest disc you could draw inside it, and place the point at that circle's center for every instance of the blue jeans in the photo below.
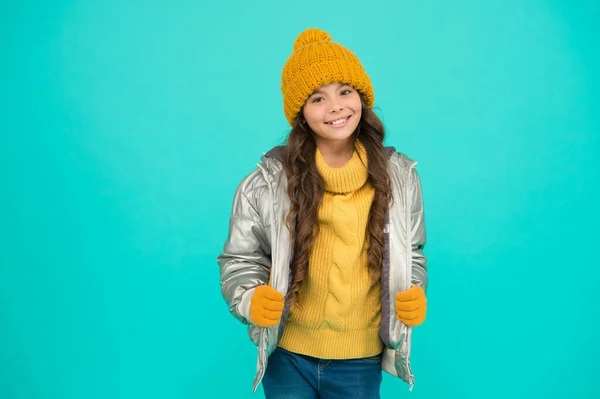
(294, 376)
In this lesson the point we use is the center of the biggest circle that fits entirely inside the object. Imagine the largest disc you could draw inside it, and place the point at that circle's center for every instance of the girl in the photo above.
(324, 259)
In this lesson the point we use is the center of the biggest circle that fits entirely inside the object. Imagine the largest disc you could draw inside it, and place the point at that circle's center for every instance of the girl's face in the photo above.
(333, 112)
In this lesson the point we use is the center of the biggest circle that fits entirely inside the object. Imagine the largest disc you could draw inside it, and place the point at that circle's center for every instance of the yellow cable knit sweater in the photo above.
(339, 310)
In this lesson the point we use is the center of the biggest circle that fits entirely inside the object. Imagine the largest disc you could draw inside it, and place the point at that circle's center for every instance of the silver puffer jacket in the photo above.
(258, 251)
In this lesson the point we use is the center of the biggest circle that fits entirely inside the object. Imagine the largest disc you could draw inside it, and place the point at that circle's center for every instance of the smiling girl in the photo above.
(324, 259)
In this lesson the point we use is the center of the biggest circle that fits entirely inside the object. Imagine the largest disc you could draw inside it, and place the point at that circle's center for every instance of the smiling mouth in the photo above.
(339, 122)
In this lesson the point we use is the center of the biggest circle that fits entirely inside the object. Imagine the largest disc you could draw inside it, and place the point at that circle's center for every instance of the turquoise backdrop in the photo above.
(126, 126)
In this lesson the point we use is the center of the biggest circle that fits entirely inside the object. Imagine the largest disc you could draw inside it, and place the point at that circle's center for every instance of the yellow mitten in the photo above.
(266, 306)
(411, 306)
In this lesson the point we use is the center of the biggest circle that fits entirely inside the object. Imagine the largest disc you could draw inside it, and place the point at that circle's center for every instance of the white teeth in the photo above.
(338, 121)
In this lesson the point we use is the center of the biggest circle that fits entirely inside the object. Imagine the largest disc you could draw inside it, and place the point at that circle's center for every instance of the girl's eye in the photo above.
(316, 100)
(345, 92)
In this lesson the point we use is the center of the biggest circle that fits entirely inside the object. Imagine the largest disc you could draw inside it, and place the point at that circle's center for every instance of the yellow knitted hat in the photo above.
(317, 61)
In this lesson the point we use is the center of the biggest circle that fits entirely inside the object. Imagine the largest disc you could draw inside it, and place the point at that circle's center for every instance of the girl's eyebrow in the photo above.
(319, 91)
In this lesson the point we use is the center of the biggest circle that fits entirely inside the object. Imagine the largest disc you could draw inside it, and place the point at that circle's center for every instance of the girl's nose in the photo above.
(335, 108)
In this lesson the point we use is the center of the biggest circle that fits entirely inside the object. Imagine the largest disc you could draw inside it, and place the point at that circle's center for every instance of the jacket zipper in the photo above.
(411, 376)
(262, 350)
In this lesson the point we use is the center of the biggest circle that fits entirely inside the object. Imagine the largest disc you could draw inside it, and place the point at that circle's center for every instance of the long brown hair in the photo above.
(306, 187)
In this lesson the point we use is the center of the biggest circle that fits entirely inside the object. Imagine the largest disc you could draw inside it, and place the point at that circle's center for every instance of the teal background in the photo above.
(126, 127)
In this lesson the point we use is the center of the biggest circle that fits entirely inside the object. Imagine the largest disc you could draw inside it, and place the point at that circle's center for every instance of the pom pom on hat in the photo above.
(311, 35)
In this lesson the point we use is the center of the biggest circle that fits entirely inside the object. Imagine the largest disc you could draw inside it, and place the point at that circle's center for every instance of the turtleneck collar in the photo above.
(347, 178)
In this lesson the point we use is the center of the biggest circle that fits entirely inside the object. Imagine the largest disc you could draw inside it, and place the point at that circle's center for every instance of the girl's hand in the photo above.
(266, 306)
(411, 306)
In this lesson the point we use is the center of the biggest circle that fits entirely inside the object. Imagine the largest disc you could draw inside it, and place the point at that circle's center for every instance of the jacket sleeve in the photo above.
(245, 261)
(419, 261)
